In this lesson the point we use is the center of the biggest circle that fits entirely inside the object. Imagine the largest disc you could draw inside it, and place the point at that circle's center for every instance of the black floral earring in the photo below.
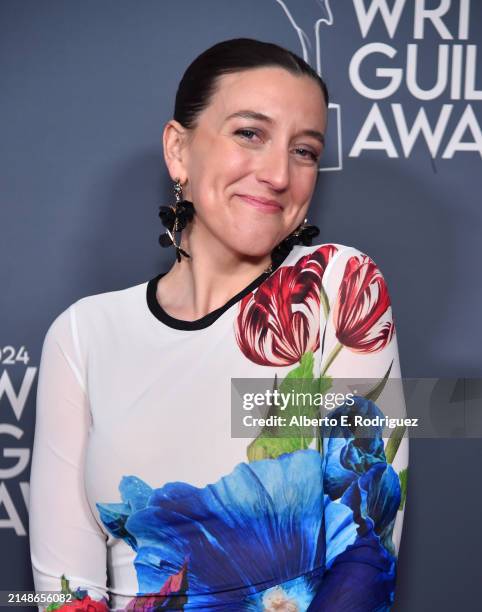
(303, 234)
(175, 218)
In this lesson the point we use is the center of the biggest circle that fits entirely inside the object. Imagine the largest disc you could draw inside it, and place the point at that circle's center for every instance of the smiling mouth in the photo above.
(262, 205)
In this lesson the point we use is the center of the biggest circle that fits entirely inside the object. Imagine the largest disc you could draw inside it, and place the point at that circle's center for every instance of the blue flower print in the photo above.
(255, 529)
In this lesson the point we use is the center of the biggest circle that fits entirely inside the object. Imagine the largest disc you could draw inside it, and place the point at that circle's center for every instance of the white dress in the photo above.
(143, 498)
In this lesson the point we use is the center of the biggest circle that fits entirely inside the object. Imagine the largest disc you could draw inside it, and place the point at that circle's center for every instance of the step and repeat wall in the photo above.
(86, 88)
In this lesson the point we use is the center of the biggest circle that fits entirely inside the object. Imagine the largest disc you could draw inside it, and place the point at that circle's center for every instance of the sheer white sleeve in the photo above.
(65, 538)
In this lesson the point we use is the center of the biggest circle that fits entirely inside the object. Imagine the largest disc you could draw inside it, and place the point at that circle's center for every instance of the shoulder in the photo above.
(335, 265)
(97, 312)
(110, 301)
(334, 248)
(331, 253)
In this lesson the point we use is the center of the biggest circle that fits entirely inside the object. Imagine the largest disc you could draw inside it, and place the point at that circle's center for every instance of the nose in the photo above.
(274, 168)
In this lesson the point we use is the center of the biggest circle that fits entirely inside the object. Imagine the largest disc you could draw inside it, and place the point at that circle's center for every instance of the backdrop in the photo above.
(86, 88)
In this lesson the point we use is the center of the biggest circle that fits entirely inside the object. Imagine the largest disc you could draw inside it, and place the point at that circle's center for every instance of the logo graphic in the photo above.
(15, 456)
(387, 70)
(332, 158)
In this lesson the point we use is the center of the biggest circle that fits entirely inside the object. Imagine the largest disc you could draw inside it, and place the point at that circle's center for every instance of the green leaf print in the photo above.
(394, 442)
(403, 484)
(375, 392)
(273, 441)
(65, 590)
(397, 434)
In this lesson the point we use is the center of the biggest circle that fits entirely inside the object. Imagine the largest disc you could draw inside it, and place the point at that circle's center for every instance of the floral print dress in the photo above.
(141, 497)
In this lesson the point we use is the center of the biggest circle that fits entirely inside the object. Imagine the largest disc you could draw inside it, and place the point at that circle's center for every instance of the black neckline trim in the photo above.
(158, 311)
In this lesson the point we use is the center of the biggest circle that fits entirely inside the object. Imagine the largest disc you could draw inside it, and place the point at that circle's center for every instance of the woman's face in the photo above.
(260, 137)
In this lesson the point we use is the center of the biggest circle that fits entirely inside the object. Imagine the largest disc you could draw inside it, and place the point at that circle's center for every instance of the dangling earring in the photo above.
(175, 219)
(303, 234)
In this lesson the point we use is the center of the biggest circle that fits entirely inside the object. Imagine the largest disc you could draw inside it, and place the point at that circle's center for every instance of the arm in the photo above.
(365, 472)
(65, 538)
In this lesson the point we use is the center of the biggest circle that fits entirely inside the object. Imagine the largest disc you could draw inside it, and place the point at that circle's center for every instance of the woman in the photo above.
(141, 498)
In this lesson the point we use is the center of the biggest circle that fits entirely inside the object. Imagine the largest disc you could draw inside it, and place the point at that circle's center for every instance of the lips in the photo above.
(263, 204)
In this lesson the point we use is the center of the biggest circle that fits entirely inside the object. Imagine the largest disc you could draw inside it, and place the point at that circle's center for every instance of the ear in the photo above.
(174, 139)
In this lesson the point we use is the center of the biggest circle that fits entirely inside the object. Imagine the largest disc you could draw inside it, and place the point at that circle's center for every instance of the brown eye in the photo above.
(244, 131)
(310, 154)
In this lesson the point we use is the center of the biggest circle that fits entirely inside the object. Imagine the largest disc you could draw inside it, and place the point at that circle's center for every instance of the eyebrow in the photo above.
(250, 114)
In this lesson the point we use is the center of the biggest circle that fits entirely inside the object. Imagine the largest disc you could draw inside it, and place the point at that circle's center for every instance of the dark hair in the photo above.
(198, 83)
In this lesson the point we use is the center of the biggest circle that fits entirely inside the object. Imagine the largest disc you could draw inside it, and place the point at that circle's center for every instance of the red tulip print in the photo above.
(169, 597)
(280, 321)
(362, 312)
(86, 604)
(80, 600)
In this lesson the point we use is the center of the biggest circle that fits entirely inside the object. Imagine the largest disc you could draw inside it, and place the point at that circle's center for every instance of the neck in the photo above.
(213, 274)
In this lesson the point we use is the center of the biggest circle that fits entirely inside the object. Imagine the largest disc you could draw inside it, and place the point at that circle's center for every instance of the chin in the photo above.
(254, 247)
